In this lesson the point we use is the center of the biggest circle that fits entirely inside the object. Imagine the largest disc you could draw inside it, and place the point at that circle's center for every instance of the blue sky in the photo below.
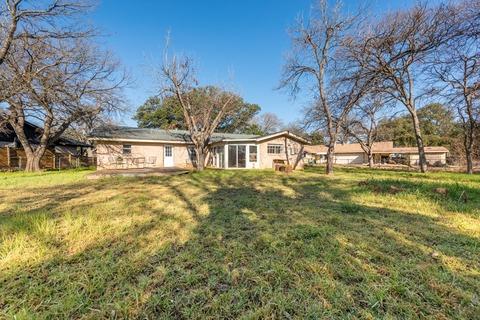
(239, 43)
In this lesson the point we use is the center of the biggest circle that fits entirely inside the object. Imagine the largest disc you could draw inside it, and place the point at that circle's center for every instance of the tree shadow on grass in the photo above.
(263, 254)
(300, 247)
(449, 196)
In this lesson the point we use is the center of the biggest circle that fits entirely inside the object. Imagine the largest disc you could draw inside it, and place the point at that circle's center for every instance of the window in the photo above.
(252, 153)
(168, 151)
(127, 149)
(241, 156)
(219, 157)
(293, 149)
(274, 148)
(192, 154)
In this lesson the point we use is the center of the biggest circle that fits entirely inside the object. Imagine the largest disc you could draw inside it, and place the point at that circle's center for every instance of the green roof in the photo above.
(159, 134)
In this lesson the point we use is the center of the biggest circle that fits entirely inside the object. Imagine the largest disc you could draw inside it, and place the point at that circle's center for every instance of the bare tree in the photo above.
(363, 122)
(268, 122)
(59, 82)
(457, 66)
(395, 50)
(42, 19)
(319, 64)
(202, 116)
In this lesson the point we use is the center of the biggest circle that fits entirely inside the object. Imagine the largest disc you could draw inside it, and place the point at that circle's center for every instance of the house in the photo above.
(126, 147)
(383, 152)
(61, 154)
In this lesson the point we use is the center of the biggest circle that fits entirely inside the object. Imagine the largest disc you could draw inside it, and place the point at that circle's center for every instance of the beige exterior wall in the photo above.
(181, 157)
(266, 159)
(151, 153)
(359, 158)
(432, 158)
(350, 158)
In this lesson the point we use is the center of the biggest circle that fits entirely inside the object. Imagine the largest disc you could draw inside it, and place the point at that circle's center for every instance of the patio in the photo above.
(137, 172)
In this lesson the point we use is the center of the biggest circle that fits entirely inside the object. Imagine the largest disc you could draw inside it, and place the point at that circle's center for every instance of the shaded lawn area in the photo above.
(240, 244)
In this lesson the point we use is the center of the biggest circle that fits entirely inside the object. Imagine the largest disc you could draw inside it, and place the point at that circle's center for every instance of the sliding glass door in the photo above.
(232, 156)
(221, 157)
(241, 156)
(237, 156)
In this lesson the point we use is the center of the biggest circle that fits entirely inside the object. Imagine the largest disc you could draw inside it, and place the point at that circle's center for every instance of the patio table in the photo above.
(133, 162)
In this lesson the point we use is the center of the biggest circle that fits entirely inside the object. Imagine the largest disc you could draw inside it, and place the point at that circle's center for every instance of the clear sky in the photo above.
(240, 43)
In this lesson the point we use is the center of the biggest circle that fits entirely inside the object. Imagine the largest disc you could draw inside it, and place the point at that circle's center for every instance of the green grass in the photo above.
(240, 244)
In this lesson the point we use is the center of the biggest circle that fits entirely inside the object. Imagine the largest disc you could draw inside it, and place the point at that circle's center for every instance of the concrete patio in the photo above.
(137, 172)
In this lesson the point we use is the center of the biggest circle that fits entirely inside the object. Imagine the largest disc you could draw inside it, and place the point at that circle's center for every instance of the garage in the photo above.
(350, 158)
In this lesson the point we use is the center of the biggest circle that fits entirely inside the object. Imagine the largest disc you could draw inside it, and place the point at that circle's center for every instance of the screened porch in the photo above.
(235, 156)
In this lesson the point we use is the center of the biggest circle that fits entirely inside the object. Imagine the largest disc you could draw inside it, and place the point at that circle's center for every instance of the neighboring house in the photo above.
(126, 147)
(383, 152)
(60, 154)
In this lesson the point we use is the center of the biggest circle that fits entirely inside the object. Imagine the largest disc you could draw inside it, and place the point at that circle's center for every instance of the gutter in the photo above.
(140, 140)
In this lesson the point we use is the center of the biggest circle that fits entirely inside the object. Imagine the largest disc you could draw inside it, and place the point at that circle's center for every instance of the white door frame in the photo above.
(168, 156)
(252, 164)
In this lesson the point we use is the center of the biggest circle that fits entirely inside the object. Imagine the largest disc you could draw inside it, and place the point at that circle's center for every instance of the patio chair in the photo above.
(151, 162)
(139, 162)
(119, 162)
(112, 162)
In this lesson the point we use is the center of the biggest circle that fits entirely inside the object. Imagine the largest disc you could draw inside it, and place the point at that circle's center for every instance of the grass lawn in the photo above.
(240, 244)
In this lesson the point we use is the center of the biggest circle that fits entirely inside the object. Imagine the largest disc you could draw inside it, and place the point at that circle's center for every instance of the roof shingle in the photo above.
(159, 134)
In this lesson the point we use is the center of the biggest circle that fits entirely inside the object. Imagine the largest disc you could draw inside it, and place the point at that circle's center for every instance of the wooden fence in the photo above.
(15, 159)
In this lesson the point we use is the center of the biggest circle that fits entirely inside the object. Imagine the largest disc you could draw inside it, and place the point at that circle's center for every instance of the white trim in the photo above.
(141, 140)
(236, 140)
(416, 152)
(254, 164)
(225, 156)
(281, 133)
(267, 137)
(248, 164)
(236, 156)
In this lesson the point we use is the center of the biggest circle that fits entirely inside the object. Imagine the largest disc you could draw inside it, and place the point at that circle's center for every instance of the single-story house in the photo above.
(383, 152)
(127, 147)
(60, 154)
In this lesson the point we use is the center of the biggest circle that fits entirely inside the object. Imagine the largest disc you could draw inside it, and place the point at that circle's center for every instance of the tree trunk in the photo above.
(34, 158)
(33, 163)
(370, 158)
(469, 134)
(299, 158)
(330, 155)
(421, 148)
(286, 151)
(469, 162)
(468, 143)
(200, 159)
(33, 155)
(208, 156)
